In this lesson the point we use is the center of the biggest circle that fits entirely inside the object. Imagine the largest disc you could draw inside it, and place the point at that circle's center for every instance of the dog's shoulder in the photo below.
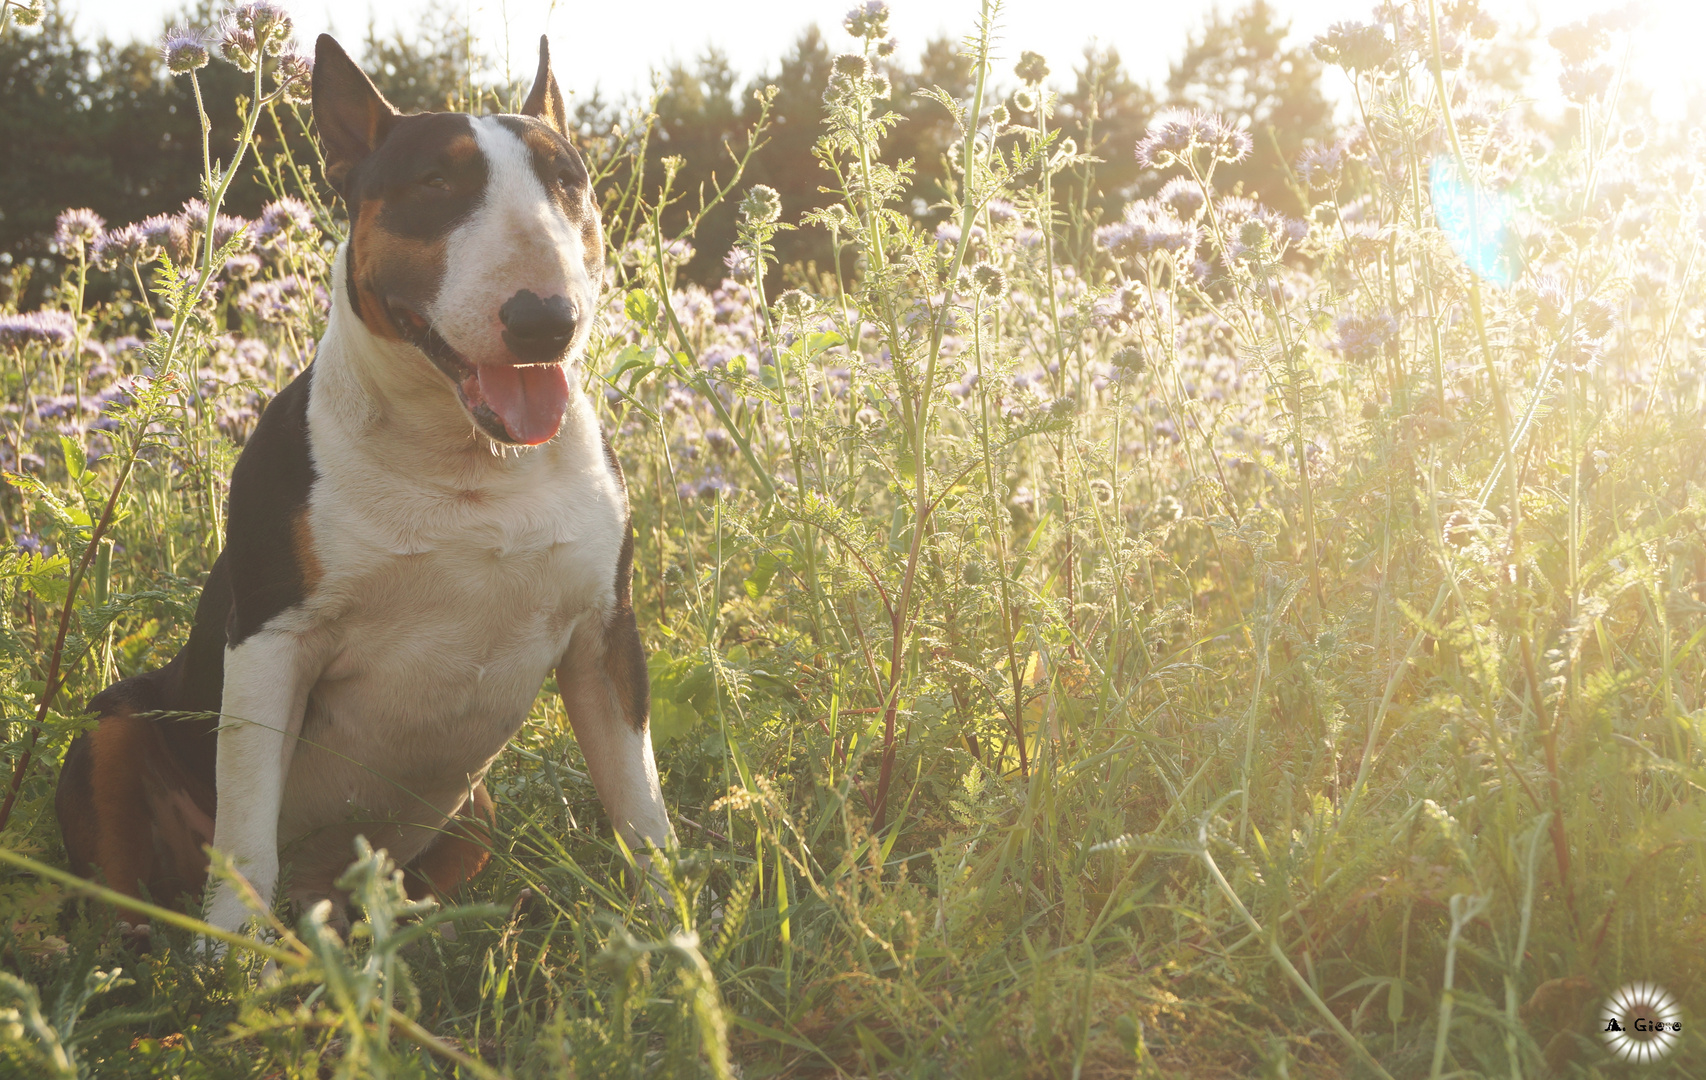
(271, 561)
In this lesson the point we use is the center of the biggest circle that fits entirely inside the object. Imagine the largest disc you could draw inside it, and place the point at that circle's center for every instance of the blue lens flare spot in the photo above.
(1475, 221)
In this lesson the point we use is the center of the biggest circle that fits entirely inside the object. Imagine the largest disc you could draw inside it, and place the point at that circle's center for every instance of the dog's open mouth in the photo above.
(528, 402)
(521, 404)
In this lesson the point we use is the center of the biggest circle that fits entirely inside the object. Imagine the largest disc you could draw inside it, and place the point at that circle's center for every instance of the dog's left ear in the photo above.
(545, 101)
(350, 113)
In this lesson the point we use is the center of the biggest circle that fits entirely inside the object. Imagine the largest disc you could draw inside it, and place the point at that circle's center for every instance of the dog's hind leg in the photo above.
(459, 852)
(130, 813)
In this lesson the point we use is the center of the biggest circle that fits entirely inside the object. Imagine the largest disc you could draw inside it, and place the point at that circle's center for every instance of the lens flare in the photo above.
(1476, 222)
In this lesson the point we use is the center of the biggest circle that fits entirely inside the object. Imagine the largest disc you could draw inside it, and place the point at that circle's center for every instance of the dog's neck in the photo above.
(387, 399)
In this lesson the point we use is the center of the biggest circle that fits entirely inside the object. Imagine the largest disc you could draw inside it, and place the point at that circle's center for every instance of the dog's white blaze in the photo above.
(518, 238)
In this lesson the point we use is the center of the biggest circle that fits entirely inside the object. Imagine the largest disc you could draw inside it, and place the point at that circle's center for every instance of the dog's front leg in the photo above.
(608, 698)
(267, 679)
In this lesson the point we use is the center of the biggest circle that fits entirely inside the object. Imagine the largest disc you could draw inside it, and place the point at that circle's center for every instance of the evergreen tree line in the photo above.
(101, 124)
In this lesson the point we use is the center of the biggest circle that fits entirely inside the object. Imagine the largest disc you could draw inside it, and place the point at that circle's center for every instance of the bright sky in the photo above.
(615, 44)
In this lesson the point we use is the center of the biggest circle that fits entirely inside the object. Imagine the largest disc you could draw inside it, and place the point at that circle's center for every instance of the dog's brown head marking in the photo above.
(474, 239)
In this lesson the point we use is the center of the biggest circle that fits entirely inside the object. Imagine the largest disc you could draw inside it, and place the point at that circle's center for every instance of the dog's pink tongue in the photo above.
(529, 400)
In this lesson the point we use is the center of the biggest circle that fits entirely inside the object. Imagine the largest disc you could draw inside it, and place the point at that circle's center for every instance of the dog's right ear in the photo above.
(350, 113)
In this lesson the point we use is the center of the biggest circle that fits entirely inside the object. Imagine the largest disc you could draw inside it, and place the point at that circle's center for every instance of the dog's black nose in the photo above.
(537, 331)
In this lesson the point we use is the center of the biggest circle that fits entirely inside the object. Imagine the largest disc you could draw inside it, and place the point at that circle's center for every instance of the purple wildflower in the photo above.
(77, 229)
(226, 228)
(281, 219)
(1175, 134)
(184, 49)
(45, 327)
(266, 22)
(125, 244)
(1363, 336)
(168, 233)
(948, 237)
(1321, 166)
(869, 20)
(295, 73)
(743, 269)
(1355, 46)
(1183, 196)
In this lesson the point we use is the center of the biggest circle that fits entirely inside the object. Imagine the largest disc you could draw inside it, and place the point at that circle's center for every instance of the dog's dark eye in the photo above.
(435, 180)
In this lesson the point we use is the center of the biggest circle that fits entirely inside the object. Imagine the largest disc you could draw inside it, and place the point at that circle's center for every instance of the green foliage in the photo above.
(1190, 635)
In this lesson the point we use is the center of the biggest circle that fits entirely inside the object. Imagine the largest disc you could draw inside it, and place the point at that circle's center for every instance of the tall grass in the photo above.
(1261, 647)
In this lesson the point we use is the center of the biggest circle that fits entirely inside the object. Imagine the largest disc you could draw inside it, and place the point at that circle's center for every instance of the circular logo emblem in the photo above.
(1641, 1023)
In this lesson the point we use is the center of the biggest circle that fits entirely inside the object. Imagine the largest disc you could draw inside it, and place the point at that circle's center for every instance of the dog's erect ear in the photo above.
(545, 101)
(351, 114)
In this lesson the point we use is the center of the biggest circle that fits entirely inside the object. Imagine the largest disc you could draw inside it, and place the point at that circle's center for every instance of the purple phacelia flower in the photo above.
(281, 219)
(77, 228)
(1363, 336)
(1175, 134)
(295, 73)
(37, 327)
(184, 49)
(742, 267)
(1183, 196)
(869, 20)
(168, 233)
(125, 244)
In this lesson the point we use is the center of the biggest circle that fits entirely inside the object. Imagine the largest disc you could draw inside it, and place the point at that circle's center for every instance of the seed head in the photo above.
(1025, 100)
(838, 218)
(794, 304)
(851, 65)
(988, 279)
(762, 204)
(1032, 69)
(1102, 492)
(1130, 360)
(886, 48)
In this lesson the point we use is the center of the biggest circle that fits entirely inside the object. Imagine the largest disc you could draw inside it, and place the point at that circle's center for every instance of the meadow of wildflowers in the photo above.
(1243, 644)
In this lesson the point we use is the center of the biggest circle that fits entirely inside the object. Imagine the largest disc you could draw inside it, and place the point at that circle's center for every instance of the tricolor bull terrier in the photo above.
(425, 524)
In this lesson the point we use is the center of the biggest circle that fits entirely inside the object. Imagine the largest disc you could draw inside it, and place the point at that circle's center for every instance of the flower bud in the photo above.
(762, 204)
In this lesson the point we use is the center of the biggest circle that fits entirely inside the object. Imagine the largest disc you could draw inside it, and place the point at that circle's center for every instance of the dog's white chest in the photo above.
(447, 601)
